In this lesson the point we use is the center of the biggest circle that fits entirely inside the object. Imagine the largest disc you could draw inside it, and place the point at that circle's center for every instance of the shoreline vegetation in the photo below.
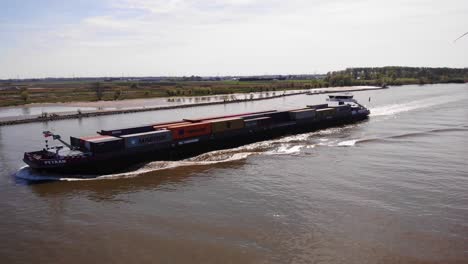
(395, 75)
(63, 90)
(79, 114)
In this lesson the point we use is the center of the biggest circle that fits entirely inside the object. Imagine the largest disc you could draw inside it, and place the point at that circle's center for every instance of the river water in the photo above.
(392, 189)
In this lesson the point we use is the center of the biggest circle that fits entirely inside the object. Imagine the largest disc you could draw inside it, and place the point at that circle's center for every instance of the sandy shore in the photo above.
(154, 104)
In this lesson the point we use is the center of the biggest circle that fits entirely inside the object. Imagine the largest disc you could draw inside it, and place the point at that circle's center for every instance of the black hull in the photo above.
(126, 161)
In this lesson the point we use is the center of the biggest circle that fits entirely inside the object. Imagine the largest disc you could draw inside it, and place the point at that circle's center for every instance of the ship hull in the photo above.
(94, 166)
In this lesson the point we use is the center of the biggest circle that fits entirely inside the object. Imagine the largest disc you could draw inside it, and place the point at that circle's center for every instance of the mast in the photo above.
(57, 137)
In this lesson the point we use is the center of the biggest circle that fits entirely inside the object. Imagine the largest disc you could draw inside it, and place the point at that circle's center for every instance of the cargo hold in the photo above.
(222, 125)
(262, 122)
(103, 144)
(302, 114)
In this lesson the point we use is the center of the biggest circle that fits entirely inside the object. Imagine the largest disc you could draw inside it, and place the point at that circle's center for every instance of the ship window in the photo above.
(181, 132)
(228, 124)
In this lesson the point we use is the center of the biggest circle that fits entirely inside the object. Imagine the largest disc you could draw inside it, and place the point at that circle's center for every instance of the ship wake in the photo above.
(353, 142)
(393, 109)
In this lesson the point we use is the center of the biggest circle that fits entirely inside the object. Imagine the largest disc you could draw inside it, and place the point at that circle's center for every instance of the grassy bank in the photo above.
(42, 92)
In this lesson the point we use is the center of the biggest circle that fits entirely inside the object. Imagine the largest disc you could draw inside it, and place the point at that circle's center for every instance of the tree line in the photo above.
(395, 75)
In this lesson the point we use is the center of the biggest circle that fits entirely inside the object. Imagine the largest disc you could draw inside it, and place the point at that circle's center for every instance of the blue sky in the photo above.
(51, 38)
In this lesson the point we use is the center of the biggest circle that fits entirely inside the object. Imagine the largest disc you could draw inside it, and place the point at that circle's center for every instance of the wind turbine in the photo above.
(460, 37)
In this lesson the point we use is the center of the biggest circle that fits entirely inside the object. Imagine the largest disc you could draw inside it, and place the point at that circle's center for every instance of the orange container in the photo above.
(166, 125)
(96, 138)
(190, 130)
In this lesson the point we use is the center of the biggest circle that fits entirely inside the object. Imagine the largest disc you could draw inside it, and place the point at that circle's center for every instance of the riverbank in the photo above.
(18, 93)
(230, 100)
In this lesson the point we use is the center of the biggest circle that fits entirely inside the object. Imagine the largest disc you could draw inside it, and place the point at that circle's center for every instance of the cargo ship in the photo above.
(117, 150)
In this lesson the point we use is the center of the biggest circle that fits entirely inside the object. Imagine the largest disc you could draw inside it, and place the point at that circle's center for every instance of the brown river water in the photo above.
(391, 189)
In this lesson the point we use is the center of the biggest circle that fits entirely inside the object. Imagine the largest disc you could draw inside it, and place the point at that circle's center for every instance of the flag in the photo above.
(47, 134)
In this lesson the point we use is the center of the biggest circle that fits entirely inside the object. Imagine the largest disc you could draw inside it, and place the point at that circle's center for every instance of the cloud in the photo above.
(156, 6)
(178, 37)
(170, 6)
(107, 22)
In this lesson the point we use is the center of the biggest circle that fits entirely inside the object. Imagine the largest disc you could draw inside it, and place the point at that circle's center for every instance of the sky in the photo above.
(52, 38)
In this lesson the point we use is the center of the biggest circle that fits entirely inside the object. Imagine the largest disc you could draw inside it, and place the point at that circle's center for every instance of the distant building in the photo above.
(10, 88)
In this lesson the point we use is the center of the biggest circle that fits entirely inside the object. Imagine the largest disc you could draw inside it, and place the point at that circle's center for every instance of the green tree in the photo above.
(25, 95)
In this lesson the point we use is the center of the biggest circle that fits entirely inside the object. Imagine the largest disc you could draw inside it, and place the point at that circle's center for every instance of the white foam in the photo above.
(26, 173)
(285, 150)
(347, 143)
(165, 165)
